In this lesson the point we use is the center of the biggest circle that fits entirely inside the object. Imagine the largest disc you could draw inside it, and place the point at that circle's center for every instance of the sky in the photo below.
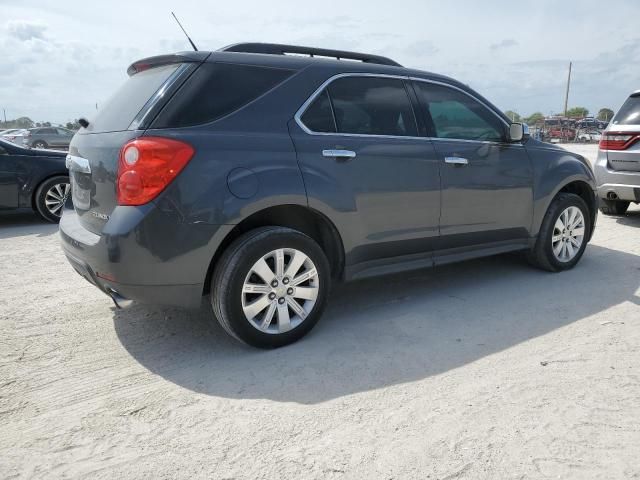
(60, 59)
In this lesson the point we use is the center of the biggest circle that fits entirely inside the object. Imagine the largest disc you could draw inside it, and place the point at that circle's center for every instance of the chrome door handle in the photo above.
(456, 160)
(338, 153)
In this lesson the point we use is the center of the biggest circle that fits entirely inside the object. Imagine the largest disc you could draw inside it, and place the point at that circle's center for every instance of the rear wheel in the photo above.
(51, 196)
(270, 286)
(614, 207)
(563, 234)
(39, 144)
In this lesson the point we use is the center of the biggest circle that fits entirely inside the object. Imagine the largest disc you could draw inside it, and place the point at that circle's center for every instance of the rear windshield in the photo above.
(216, 90)
(119, 111)
(629, 114)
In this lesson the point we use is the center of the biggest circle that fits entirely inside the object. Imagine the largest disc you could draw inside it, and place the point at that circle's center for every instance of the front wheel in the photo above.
(563, 234)
(270, 287)
(51, 196)
(39, 144)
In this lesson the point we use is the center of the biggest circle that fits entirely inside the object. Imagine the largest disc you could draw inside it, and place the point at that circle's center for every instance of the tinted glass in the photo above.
(62, 131)
(215, 90)
(629, 113)
(456, 115)
(319, 117)
(119, 111)
(373, 106)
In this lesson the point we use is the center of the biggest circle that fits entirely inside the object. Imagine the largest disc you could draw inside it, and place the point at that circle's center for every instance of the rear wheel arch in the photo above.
(303, 219)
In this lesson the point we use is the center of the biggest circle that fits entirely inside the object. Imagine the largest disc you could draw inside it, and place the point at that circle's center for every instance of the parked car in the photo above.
(563, 134)
(48, 137)
(261, 178)
(589, 136)
(617, 167)
(35, 179)
(13, 135)
(590, 122)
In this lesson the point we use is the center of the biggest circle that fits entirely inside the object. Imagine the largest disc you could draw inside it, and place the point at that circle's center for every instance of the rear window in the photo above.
(120, 110)
(216, 90)
(629, 114)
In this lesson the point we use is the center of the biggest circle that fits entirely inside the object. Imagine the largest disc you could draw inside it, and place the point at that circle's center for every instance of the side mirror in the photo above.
(518, 132)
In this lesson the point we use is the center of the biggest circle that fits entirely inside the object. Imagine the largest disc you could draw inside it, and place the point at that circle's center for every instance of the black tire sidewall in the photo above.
(41, 192)
(39, 144)
(247, 253)
(560, 204)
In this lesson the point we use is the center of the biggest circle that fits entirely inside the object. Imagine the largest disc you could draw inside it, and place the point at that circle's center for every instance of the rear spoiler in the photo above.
(159, 60)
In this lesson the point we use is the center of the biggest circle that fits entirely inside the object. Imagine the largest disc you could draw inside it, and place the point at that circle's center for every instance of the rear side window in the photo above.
(216, 90)
(319, 115)
(629, 113)
(456, 115)
(120, 110)
(372, 106)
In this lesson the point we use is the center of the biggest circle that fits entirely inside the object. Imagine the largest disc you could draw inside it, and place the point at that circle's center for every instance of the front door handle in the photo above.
(338, 153)
(456, 160)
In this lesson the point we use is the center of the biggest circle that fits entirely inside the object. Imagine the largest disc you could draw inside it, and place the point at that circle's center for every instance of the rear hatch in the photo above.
(622, 139)
(94, 151)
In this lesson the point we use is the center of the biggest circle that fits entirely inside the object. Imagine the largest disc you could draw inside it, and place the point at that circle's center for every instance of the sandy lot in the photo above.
(485, 369)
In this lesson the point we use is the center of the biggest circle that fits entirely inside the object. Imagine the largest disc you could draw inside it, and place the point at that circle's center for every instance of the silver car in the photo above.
(617, 168)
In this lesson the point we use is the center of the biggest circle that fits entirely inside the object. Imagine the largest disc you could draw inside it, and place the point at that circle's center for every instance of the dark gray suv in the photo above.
(261, 173)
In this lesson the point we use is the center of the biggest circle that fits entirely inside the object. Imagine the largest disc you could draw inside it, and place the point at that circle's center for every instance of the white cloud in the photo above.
(59, 59)
(25, 30)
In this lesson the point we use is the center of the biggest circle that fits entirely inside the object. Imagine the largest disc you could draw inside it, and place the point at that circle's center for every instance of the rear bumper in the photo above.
(625, 185)
(142, 256)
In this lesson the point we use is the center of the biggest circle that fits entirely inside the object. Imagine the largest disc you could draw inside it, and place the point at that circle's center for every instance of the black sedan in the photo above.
(33, 178)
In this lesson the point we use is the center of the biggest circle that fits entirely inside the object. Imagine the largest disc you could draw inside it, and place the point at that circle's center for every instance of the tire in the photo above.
(39, 144)
(613, 207)
(542, 255)
(46, 197)
(236, 267)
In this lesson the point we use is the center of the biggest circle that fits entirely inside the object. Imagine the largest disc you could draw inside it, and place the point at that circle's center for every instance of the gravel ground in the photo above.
(484, 369)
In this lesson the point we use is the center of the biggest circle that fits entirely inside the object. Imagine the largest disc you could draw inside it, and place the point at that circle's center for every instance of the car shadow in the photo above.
(384, 331)
(18, 223)
(631, 218)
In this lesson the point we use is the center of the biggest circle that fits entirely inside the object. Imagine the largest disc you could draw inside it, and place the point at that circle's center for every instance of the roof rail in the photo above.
(278, 49)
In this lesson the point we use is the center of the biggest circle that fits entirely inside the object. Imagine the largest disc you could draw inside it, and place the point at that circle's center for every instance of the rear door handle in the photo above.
(456, 160)
(338, 153)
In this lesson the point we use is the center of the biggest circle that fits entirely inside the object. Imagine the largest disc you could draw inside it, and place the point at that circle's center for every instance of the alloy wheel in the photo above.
(280, 291)
(56, 197)
(568, 234)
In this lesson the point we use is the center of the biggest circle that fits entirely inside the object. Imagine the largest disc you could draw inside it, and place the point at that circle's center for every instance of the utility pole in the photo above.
(566, 96)
(5, 115)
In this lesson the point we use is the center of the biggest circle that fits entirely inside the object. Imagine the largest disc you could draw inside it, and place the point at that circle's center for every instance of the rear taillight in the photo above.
(618, 140)
(147, 165)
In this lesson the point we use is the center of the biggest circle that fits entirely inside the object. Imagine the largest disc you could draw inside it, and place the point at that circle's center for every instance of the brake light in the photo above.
(147, 165)
(618, 140)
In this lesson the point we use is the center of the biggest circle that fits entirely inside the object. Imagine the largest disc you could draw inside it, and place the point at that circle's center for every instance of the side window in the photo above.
(372, 106)
(216, 90)
(454, 114)
(62, 131)
(318, 117)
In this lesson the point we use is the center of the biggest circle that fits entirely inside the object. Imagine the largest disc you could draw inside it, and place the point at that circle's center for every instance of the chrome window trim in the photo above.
(298, 115)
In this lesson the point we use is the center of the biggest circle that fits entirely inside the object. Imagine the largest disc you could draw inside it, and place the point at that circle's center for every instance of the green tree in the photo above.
(605, 114)
(577, 112)
(73, 125)
(534, 118)
(513, 116)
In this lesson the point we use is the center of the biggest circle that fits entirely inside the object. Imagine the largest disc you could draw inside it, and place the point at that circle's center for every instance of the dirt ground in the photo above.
(488, 369)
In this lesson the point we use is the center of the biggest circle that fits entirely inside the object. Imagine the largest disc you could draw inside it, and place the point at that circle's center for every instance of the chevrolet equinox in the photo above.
(259, 174)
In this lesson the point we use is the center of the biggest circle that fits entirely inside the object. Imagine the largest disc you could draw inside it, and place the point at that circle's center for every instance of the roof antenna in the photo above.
(185, 32)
